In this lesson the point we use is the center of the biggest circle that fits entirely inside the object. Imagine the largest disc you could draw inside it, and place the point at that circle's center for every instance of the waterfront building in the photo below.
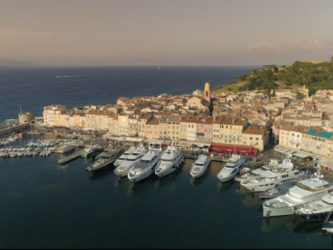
(113, 124)
(152, 129)
(228, 130)
(204, 129)
(133, 125)
(255, 136)
(188, 127)
(141, 124)
(25, 118)
(291, 136)
(318, 141)
(98, 119)
(49, 114)
(123, 124)
(170, 127)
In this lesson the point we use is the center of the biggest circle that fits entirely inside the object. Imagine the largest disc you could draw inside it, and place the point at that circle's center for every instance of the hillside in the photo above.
(314, 75)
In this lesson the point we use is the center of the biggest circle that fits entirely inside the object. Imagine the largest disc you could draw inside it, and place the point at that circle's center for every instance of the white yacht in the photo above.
(318, 208)
(256, 171)
(264, 179)
(277, 190)
(124, 156)
(131, 159)
(303, 192)
(172, 158)
(231, 169)
(146, 166)
(199, 166)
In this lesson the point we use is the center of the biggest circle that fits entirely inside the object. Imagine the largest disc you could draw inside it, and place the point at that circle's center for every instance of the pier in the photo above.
(212, 158)
(71, 157)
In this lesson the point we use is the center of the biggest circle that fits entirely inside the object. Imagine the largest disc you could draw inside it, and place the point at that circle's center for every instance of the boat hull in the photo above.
(273, 212)
(100, 167)
(227, 178)
(143, 175)
(196, 175)
(161, 172)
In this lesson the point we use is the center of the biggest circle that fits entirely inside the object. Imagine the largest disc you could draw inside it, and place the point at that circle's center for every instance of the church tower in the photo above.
(207, 92)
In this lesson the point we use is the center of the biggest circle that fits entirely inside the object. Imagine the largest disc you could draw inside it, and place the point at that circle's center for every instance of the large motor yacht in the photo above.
(146, 166)
(303, 192)
(104, 160)
(172, 159)
(231, 169)
(124, 156)
(317, 209)
(264, 179)
(199, 166)
(125, 166)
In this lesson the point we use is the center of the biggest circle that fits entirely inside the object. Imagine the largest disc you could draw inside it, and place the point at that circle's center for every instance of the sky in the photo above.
(165, 32)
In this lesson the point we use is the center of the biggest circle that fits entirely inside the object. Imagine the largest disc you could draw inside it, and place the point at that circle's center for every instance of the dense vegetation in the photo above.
(270, 77)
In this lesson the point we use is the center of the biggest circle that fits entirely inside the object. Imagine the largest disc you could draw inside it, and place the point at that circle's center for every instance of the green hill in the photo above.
(314, 76)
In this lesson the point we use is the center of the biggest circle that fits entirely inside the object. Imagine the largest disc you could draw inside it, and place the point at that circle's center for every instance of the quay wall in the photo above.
(6, 130)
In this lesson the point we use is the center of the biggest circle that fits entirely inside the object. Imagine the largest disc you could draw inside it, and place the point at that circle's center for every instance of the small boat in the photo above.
(231, 169)
(65, 149)
(3, 155)
(328, 224)
(146, 166)
(200, 166)
(87, 152)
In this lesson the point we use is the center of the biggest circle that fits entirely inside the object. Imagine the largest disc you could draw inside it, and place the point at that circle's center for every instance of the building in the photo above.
(291, 136)
(318, 141)
(25, 118)
(206, 93)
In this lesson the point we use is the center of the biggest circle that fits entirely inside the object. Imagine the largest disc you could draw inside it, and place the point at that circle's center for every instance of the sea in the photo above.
(43, 205)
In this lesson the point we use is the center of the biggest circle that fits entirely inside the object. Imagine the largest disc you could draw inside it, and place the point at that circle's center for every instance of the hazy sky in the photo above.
(166, 32)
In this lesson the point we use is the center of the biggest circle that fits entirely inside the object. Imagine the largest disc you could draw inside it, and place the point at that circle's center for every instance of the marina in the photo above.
(229, 198)
(64, 202)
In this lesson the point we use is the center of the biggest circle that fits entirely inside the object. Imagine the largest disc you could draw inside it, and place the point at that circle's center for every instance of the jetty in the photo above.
(194, 156)
(71, 157)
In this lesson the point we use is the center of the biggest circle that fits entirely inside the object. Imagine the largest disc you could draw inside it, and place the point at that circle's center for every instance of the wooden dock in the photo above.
(195, 156)
(71, 157)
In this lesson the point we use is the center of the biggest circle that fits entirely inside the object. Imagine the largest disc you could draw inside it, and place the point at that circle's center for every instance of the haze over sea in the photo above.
(47, 206)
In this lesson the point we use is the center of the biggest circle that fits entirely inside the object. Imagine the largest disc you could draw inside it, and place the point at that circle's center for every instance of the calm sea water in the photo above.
(31, 89)
(47, 206)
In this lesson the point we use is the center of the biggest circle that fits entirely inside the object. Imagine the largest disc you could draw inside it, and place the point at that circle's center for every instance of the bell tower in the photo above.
(207, 92)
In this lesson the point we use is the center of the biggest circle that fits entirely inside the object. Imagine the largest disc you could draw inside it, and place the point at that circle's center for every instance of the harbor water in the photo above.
(44, 205)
